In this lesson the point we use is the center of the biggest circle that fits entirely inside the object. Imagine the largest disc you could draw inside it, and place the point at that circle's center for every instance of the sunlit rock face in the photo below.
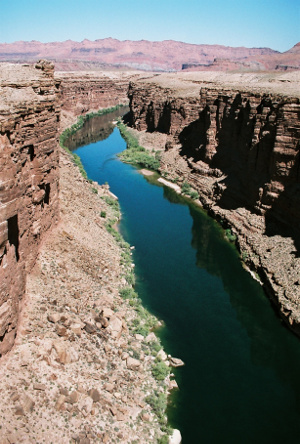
(29, 122)
(32, 103)
(82, 93)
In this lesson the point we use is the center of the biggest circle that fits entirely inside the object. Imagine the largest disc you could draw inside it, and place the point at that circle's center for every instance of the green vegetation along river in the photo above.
(241, 379)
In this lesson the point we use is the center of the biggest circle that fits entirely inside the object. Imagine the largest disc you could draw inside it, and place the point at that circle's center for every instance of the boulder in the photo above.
(94, 394)
(85, 405)
(175, 362)
(115, 327)
(175, 438)
(133, 364)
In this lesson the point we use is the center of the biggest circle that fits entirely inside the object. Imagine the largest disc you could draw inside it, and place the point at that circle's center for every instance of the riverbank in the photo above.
(78, 371)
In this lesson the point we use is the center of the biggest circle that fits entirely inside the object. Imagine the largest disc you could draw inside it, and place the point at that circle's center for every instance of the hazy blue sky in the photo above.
(251, 23)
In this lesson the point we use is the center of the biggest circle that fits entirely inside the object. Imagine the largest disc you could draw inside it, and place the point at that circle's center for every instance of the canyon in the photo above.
(233, 137)
(144, 55)
(72, 367)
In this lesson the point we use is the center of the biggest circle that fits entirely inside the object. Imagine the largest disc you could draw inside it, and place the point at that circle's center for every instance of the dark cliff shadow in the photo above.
(164, 121)
(193, 138)
(247, 164)
(283, 216)
(247, 161)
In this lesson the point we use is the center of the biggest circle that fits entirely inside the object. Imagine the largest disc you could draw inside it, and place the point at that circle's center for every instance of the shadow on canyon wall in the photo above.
(164, 121)
(245, 156)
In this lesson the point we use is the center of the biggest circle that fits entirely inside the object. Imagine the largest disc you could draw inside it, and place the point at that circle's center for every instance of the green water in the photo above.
(241, 379)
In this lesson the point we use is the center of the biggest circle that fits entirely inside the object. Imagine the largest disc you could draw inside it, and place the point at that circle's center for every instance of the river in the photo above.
(241, 379)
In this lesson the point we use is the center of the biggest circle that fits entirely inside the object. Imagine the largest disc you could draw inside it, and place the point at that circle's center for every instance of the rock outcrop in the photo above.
(236, 141)
(29, 122)
(32, 103)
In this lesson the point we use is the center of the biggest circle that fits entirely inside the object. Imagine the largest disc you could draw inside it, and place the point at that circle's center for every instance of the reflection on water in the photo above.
(96, 129)
(240, 383)
(270, 346)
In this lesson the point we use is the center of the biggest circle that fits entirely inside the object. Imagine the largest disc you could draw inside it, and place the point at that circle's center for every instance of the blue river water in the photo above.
(241, 379)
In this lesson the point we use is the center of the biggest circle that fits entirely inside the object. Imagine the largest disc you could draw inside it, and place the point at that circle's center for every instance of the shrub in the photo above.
(155, 346)
(130, 278)
(141, 330)
(136, 154)
(160, 370)
(77, 161)
(163, 439)
(103, 214)
(230, 236)
(128, 293)
(194, 194)
(185, 188)
(188, 191)
(113, 203)
(245, 256)
(158, 403)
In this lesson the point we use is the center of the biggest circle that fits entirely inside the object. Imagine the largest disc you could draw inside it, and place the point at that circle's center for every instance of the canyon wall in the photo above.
(236, 141)
(82, 93)
(35, 106)
(29, 122)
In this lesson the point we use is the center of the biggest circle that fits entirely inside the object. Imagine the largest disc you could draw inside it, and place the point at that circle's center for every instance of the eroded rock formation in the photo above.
(236, 141)
(82, 93)
(29, 122)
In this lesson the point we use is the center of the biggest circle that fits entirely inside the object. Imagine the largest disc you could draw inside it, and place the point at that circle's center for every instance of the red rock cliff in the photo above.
(29, 122)
(85, 92)
(235, 139)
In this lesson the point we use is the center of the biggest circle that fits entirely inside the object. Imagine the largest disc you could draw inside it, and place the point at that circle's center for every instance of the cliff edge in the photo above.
(29, 124)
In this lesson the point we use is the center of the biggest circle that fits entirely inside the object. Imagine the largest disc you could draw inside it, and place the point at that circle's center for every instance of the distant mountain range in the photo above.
(144, 55)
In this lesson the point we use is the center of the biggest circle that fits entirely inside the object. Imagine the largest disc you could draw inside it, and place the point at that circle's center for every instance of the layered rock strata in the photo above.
(235, 139)
(29, 122)
(35, 106)
(82, 93)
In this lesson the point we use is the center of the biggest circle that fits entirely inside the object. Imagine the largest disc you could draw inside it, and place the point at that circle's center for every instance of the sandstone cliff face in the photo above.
(238, 146)
(86, 92)
(29, 121)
